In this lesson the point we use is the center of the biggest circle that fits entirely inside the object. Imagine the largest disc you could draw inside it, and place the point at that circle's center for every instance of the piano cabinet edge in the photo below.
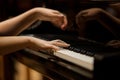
(47, 68)
(107, 67)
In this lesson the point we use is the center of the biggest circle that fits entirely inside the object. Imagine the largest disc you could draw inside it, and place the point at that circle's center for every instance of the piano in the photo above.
(87, 58)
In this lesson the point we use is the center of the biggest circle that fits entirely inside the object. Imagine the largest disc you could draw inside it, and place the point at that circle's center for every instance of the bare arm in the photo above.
(11, 44)
(16, 25)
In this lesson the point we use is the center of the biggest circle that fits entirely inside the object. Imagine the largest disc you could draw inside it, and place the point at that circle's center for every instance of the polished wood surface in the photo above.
(50, 68)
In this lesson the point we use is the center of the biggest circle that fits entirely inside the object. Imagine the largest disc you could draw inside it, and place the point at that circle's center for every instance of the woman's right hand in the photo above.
(46, 46)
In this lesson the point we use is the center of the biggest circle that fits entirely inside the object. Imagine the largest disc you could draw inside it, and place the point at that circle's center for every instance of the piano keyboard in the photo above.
(80, 52)
(79, 59)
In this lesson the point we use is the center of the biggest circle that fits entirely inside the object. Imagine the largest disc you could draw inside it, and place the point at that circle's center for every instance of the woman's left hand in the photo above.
(54, 16)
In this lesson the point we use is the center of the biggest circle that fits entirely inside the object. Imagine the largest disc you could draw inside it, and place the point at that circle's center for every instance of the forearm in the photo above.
(19, 23)
(12, 44)
(16, 25)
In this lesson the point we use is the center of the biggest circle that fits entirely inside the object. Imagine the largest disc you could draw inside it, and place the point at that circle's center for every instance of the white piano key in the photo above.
(76, 58)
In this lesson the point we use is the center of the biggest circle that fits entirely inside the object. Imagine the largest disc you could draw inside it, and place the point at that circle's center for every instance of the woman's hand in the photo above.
(46, 46)
(54, 16)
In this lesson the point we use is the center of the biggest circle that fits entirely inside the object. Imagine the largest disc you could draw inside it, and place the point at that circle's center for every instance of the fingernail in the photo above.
(67, 44)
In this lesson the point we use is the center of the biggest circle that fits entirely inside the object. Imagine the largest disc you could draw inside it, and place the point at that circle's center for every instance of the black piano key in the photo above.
(89, 53)
(81, 51)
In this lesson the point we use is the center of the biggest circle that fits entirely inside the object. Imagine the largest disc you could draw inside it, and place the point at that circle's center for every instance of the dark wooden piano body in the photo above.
(106, 62)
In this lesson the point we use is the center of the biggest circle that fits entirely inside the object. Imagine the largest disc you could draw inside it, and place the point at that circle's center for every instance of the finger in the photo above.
(59, 41)
(64, 23)
(50, 49)
(53, 49)
(61, 44)
(56, 12)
